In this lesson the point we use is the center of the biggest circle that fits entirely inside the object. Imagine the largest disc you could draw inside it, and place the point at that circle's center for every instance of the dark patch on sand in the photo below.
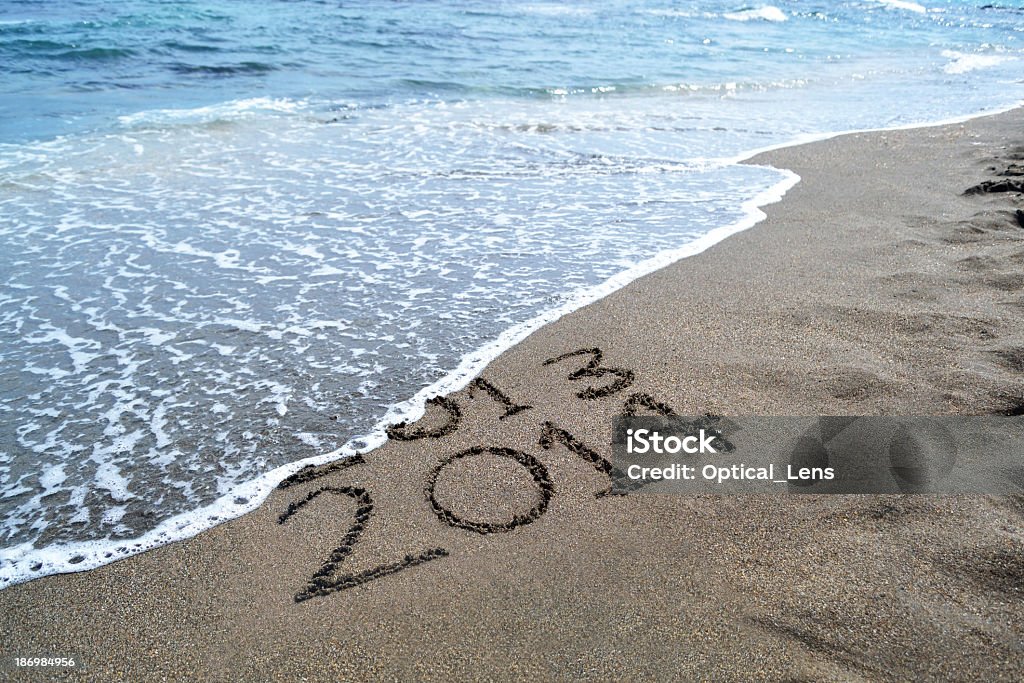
(817, 644)
(981, 224)
(1012, 170)
(893, 509)
(999, 569)
(994, 186)
(1004, 282)
(1012, 407)
(854, 383)
(1012, 358)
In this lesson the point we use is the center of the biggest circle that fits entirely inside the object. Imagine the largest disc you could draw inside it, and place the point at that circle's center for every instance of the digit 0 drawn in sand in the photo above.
(323, 581)
(593, 368)
(534, 467)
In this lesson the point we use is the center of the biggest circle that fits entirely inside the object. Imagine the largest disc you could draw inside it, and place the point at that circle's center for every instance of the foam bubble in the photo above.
(904, 5)
(226, 111)
(764, 13)
(961, 62)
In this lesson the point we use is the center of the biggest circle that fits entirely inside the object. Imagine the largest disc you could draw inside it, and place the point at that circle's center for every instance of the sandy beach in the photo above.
(476, 545)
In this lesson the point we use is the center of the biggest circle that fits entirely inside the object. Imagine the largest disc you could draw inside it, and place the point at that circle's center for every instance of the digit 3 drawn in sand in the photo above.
(536, 469)
(323, 581)
(624, 378)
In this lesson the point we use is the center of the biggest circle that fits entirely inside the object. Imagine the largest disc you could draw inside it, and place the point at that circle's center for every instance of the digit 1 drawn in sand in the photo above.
(498, 395)
(322, 582)
(624, 378)
(402, 432)
(550, 434)
(537, 471)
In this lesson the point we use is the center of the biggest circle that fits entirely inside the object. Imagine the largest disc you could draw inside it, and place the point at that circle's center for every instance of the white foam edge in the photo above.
(16, 562)
(808, 138)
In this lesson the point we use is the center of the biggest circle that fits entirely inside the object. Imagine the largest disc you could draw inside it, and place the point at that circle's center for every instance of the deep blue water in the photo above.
(236, 234)
(71, 66)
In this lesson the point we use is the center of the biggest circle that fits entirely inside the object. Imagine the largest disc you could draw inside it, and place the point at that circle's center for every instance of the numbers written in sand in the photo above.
(330, 577)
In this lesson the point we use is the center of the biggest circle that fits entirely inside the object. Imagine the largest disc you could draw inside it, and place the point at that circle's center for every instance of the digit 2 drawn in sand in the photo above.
(323, 582)
(593, 368)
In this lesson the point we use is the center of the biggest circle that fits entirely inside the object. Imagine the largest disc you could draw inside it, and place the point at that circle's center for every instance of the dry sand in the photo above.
(875, 287)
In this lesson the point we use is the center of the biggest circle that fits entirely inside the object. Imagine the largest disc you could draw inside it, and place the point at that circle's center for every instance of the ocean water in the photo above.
(236, 236)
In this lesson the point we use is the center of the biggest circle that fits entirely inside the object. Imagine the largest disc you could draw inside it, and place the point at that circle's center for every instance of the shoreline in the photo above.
(875, 287)
(55, 560)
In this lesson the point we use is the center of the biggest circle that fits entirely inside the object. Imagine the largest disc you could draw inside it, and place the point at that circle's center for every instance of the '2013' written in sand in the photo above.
(325, 580)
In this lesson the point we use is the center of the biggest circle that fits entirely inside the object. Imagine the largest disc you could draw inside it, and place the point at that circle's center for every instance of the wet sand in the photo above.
(478, 546)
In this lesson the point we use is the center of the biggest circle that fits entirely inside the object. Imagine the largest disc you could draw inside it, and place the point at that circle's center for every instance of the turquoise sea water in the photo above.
(238, 234)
